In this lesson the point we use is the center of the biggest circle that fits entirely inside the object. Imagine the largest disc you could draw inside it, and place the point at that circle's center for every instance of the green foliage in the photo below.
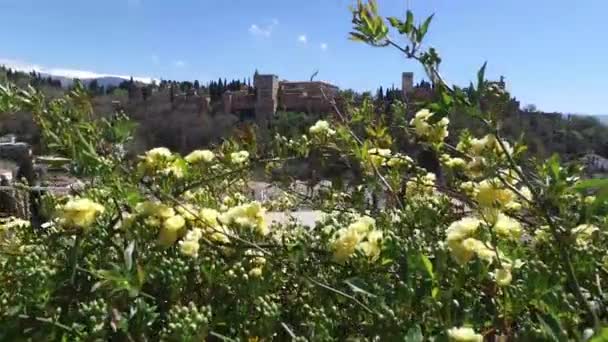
(171, 247)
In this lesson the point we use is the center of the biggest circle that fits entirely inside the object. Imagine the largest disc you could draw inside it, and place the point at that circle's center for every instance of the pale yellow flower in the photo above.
(503, 276)
(196, 156)
(255, 272)
(507, 227)
(321, 127)
(189, 248)
(345, 243)
(491, 194)
(157, 154)
(583, 233)
(372, 247)
(464, 334)
(188, 211)
(170, 229)
(455, 163)
(250, 215)
(462, 228)
(435, 132)
(240, 157)
(209, 217)
(81, 212)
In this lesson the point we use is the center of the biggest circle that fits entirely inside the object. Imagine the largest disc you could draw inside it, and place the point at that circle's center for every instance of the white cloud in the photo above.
(64, 72)
(179, 64)
(324, 46)
(302, 39)
(263, 31)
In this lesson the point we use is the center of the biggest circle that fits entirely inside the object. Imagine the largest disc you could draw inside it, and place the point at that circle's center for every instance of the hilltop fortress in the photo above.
(270, 95)
(264, 98)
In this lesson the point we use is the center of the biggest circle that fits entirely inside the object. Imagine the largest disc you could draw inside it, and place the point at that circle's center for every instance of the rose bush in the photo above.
(173, 248)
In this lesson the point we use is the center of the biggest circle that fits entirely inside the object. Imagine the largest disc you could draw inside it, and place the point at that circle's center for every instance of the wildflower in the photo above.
(490, 194)
(176, 168)
(169, 231)
(434, 132)
(81, 212)
(209, 217)
(589, 200)
(240, 157)
(250, 215)
(321, 127)
(399, 159)
(348, 240)
(472, 245)
(379, 156)
(372, 247)
(255, 272)
(455, 163)
(462, 228)
(155, 155)
(345, 243)
(583, 233)
(188, 211)
(503, 276)
(189, 245)
(200, 155)
(507, 227)
(421, 186)
(464, 334)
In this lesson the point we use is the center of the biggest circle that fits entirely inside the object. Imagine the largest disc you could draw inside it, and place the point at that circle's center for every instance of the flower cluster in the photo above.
(421, 186)
(189, 245)
(462, 244)
(250, 216)
(464, 334)
(196, 156)
(360, 235)
(321, 128)
(240, 157)
(161, 161)
(434, 132)
(80, 213)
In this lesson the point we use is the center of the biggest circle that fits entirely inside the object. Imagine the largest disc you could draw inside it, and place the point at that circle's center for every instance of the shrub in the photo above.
(171, 248)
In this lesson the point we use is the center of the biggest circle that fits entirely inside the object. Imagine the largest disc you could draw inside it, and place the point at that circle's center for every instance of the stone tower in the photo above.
(267, 97)
(407, 83)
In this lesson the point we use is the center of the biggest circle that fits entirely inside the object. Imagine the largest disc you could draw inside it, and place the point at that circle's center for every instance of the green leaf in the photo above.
(414, 334)
(602, 336)
(596, 183)
(551, 325)
(395, 22)
(409, 22)
(424, 27)
(428, 265)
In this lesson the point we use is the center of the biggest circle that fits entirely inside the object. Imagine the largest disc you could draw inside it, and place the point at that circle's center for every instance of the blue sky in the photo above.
(552, 52)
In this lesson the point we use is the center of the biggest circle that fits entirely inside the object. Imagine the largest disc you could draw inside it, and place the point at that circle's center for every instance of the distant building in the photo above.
(270, 95)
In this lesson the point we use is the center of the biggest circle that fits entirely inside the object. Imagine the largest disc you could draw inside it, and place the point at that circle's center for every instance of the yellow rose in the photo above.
(81, 212)
(507, 227)
(189, 248)
(169, 231)
(503, 276)
(200, 155)
(240, 157)
(464, 334)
